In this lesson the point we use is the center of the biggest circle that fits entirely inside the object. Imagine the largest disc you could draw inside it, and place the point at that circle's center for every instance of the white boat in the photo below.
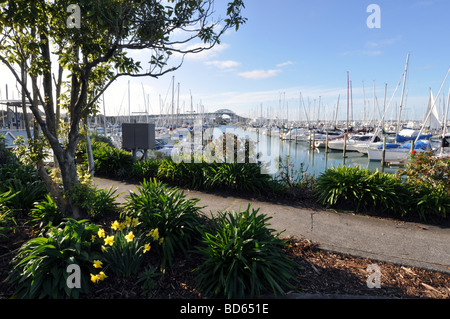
(321, 138)
(300, 134)
(355, 143)
(397, 152)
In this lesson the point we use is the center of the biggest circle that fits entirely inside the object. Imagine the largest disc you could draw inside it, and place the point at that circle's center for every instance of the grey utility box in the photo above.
(138, 136)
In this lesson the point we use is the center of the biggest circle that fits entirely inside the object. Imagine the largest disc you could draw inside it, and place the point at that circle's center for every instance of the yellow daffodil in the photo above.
(154, 233)
(98, 264)
(146, 248)
(130, 236)
(101, 276)
(115, 225)
(94, 278)
(103, 249)
(161, 240)
(101, 233)
(109, 240)
(135, 222)
(93, 238)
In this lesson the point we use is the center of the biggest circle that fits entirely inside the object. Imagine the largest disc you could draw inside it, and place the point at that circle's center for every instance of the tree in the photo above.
(93, 50)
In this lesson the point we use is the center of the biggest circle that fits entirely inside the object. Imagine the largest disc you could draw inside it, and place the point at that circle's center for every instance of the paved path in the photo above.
(409, 244)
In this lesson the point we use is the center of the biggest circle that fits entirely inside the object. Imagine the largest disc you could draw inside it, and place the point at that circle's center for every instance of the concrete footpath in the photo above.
(408, 244)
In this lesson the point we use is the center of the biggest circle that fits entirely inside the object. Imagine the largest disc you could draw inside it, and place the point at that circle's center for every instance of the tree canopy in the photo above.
(72, 59)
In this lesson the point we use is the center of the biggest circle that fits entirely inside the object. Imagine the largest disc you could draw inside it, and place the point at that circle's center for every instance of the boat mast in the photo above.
(444, 129)
(129, 103)
(401, 100)
(348, 97)
(384, 105)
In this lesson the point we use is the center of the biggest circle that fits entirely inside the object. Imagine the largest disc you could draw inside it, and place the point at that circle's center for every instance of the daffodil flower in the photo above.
(154, 233)
(101, 276)
(101, 233)
(109, 240)
(94, 278)
(98, 264)
(115, 225)
(129, 237)
(146, 248)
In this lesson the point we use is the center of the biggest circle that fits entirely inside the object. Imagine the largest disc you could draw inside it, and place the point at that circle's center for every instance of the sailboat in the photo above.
(444, 150)
(398, 152)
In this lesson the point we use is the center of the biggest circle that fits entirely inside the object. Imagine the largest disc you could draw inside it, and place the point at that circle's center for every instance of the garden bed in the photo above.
(320, 273)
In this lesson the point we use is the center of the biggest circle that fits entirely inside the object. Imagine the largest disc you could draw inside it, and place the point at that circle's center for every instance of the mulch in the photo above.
(319, 272)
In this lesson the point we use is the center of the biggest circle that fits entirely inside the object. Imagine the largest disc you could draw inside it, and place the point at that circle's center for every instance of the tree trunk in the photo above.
(69, 176)
(90, 157)
(24, 105)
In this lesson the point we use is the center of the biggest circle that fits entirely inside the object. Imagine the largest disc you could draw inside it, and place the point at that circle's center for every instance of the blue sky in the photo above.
(293, 47)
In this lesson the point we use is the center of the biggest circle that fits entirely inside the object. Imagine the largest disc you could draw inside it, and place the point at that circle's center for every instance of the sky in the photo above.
(292, 57)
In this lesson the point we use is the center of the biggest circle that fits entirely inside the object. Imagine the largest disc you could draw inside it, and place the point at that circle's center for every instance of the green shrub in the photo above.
(123, 249)
(428, 201)
(104, 202)
(425, 168)
(39, 270)
(242, 257)
(124, 258)
(95, 137)
(158, 206)
(245, 177)
(7, 221)
(146, 169)
(25, 181)
(94, 201)
(428, 183)
(148, 279)
(46, 213)
(111, 161)
(355, 187)
(189, 175)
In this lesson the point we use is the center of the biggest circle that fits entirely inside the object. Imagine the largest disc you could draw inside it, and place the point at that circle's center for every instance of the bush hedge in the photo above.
(420, 191)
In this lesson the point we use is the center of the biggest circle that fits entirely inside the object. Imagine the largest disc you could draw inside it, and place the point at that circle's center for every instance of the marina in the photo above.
(304, 154)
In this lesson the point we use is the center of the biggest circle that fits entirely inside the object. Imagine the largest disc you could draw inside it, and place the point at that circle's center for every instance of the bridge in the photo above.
(221, 116)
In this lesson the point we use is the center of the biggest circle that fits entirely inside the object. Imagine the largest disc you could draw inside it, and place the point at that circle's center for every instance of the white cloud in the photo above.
(259, 74)
(382, 43)
(228, 64)
(285, 64)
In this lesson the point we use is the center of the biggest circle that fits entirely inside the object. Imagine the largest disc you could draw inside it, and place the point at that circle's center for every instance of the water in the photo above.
(301, 156)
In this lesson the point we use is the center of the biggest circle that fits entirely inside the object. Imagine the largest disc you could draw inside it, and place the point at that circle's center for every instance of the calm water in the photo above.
(313, 161)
